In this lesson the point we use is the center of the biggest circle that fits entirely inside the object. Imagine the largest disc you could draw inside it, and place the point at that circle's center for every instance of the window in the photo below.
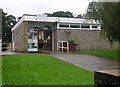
(32, 45)
(35, 34)
(94, 26)
(31, 30)
(64, 25)
(85, 26)
(74, 26)
(30, 35)
(32, 40)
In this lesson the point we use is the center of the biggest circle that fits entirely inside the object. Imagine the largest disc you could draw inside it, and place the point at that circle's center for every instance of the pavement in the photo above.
(88, 62)
(8, 53)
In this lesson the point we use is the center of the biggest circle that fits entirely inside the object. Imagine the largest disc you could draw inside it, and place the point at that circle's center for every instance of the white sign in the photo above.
(41, 17)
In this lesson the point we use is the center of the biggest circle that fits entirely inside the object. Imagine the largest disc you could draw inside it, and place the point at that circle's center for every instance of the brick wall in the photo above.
(20, 37)
(87, 39)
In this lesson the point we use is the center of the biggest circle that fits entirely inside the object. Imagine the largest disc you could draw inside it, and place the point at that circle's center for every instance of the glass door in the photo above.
(45, 40)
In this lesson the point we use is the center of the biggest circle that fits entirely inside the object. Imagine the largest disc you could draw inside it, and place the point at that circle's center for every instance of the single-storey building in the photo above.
(39, 32)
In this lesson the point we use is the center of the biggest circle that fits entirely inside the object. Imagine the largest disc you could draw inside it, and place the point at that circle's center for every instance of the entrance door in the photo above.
(45, 40)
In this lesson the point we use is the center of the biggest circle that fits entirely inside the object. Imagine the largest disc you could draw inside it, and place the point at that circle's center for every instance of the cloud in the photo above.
(18, 7)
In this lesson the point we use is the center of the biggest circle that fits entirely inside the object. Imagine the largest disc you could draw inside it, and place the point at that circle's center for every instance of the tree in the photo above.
(19, 18)
(48, 14)
(108, 15)
(79, 16)
(8, 21)
(61, 14)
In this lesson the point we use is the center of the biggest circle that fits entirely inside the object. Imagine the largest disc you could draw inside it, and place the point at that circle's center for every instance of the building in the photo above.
(39, 32)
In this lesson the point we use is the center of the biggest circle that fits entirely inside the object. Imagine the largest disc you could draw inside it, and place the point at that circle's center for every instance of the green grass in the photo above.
(111, 54)
(42, 69)
(0, 71)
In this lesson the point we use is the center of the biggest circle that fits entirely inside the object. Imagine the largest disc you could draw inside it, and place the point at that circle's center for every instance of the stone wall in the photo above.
(103, 79)
(87, 39)
(20, 37)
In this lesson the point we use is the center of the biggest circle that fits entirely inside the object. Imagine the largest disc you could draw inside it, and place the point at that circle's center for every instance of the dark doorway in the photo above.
(45, 40)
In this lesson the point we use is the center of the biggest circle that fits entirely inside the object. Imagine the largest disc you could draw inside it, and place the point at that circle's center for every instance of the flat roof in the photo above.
(44, 18)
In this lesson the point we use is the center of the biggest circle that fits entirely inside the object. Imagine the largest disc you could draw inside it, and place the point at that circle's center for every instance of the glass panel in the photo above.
(85, 26)
(64, 44)
(64, 25)
(32, 45)
(74, 26)
(94, 26)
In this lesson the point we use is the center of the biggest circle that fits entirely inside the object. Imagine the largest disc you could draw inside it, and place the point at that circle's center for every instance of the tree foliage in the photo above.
(8, 21)
(108, 15)
(79, 16)
(61, 14)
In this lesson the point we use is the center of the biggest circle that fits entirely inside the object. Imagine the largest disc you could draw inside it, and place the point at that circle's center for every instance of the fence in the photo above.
(6, 47)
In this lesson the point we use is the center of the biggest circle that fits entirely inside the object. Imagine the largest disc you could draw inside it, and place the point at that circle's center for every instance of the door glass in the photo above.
(49, 40)
(45, 40)
(41, 39)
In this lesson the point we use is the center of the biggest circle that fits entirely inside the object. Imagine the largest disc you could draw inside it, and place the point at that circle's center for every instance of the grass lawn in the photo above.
(42, 69)
(0, 71)
(112, 54)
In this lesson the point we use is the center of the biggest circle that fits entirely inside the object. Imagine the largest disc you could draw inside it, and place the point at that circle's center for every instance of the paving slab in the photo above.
(9, 53)
(88, 62)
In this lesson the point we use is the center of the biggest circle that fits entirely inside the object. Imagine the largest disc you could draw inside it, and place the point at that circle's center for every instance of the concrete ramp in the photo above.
(88, 62)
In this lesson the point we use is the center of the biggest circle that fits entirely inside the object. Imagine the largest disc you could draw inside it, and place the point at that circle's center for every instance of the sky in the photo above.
(19, 7)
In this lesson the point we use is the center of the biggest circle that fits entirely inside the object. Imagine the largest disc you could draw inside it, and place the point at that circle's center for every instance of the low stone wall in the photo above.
(6, 46)
(107, 78)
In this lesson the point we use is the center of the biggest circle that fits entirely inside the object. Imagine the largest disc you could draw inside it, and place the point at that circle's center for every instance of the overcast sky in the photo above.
(20, 7)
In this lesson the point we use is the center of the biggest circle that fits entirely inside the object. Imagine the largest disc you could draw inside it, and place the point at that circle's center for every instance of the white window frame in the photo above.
(62, 47)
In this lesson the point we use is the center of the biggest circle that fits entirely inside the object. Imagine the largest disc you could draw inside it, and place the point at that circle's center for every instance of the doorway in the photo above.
(45, 40)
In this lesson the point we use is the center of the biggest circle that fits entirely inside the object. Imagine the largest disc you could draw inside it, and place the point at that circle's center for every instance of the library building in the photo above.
(36, 33)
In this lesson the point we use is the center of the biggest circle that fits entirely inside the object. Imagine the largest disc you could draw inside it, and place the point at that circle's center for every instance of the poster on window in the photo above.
(48, 38)
(42, 33)
(40, 36)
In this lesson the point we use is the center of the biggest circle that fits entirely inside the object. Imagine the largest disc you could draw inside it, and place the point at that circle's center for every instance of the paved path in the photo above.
(88, 62)
(8, 53)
